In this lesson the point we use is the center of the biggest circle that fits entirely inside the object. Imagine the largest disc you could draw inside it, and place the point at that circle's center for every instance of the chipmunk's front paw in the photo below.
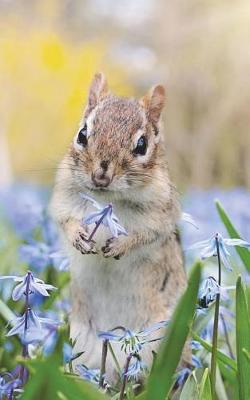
(82, 244)
(114, 248)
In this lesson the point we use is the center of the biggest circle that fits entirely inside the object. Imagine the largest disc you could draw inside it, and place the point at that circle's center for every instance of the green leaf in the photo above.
(242, 341)
(230, 378)
(160, 379)
(227, 373)
(6, 312)
(190, 389)
(233, 233)
(205, 388)
(220, 356)
(47, 382)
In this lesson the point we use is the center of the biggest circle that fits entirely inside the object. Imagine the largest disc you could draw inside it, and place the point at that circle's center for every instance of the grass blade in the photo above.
(220, 356)
(6, 312)
(48, 381)
(160, 379)
(242, 341)
(233, 233)
(205, 389)
(190, 389)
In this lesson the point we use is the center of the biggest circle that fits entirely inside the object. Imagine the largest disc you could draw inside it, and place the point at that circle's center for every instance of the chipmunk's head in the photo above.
(117, 145)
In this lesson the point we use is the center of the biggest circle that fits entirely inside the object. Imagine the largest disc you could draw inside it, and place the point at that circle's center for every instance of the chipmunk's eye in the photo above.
(82, 136)
(141, 147)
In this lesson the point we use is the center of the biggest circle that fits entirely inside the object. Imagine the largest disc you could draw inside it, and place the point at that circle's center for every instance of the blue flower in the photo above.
(184, 373)
(30, 327)
(49, 230)
(135, 369)
(91, 375)
(60, 260)
(105, 216)
(132, 342)
(7, 388)
(19, 372)
(209, 290)
(24, 209)
(63, 306)
(40, 255)
(36, 286)
(196, 361)
(182, 376)
(50, 340)
(36, 254)
(195, 345)
(209, 247)
(226, 320)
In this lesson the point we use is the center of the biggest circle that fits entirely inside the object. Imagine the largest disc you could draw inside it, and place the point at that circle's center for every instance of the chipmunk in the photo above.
(118, 156)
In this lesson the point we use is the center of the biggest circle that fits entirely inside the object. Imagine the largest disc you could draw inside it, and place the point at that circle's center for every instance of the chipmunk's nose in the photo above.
(101, 177)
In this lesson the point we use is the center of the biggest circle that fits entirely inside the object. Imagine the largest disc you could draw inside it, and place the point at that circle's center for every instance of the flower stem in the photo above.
(103, 364)
(114, 357)
(215, 328)
(98, 223)
(26, 310)
(125, 378)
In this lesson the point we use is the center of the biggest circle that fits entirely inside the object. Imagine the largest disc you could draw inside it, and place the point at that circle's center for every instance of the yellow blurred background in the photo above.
(199, 49)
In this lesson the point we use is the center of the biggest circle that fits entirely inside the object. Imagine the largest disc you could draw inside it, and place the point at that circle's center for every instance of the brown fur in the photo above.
(144, 285)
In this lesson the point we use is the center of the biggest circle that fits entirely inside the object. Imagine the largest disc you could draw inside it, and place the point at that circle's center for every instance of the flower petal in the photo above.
(33, 335)
(200, 245)
(93, 217)
(18, 327)
(93, 201)
(19, 291)
(109, 336)
(224, 257)
(153, 328)
(15, 278)
(188, 218)
(209, 251)
(236, 242)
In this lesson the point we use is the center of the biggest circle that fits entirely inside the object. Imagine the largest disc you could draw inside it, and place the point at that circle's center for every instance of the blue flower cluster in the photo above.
(30, 328)
(200, 204)
(40, 248)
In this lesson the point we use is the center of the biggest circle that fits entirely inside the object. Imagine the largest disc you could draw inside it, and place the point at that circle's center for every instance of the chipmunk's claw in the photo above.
(84, 245)
(113, 248)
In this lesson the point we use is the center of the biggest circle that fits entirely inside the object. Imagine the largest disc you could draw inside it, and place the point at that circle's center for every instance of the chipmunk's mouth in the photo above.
(98, 188)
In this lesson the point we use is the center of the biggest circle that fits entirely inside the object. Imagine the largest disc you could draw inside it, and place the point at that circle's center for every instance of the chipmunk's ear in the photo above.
(98, 90)
(153, 102)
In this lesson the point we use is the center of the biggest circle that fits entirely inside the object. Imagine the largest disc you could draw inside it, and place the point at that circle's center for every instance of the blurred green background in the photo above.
(199, 49)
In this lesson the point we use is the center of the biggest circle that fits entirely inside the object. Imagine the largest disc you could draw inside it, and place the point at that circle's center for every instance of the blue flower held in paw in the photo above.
(209, 248)
(36, 286)
(104, 216)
